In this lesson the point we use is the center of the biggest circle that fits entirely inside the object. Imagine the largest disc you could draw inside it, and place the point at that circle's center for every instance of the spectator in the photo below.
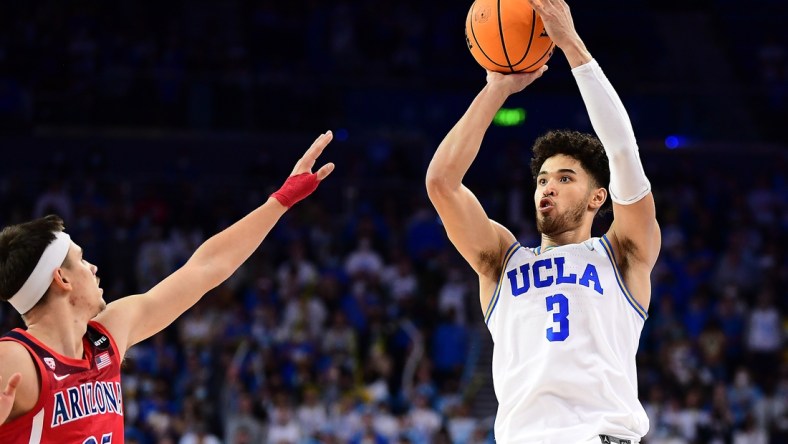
(242, 426)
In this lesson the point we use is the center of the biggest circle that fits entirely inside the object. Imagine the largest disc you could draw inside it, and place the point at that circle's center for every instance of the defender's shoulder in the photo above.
(15, 358)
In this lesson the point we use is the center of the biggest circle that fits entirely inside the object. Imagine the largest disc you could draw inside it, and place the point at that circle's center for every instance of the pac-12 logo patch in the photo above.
(49, 362)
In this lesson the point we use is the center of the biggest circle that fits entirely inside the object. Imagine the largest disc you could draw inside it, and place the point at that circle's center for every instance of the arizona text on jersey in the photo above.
(80, 400)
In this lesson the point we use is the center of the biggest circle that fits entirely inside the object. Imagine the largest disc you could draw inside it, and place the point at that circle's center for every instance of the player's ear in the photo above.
(60, 280)
(598, 198)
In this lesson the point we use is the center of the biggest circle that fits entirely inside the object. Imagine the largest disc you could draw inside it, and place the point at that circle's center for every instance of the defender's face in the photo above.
(85, 282)
(561, 195)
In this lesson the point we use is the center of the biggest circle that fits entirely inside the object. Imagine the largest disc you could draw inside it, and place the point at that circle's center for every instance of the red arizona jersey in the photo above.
(80, 400)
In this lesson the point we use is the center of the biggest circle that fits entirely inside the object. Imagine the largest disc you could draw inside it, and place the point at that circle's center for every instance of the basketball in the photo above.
(507, 36)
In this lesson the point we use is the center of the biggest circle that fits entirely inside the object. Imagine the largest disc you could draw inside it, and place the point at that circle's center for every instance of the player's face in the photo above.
(561, 196)
(85, 282)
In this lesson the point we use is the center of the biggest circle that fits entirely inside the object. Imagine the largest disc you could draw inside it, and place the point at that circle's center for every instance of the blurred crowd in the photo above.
(357, 322)
(251, 65)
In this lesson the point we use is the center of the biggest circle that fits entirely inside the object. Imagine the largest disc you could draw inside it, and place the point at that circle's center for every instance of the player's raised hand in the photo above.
(7, 396)
(302, 181)
(559, 26)
(307, 161)
(516, 82)
(557, 21)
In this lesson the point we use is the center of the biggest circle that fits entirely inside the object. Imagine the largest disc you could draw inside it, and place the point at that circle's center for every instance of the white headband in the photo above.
(39, 280)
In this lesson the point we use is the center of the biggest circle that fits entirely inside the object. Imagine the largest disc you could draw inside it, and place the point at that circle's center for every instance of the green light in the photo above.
(509, 117)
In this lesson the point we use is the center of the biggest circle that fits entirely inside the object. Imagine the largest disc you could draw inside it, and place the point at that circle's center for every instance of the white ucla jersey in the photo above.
(566, 330)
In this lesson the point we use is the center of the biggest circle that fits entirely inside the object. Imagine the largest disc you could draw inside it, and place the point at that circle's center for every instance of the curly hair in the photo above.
(585, 148)
(21, 246)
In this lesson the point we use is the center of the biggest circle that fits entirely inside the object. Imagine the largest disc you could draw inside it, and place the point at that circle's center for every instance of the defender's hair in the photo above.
(21, 246)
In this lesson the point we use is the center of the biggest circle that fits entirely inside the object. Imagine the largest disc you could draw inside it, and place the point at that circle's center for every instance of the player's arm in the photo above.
(135, 318)
(634, 233)
(479, 240)
(19, 386)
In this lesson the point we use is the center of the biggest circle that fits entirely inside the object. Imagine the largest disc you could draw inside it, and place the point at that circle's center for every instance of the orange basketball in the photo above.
(507, 36)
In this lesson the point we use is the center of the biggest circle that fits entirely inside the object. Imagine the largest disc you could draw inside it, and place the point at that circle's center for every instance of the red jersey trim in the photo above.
(80, 363)
(22, 422)
(44, 387)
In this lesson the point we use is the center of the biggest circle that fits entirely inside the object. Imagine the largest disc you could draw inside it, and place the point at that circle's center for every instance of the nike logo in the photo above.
(60, 378)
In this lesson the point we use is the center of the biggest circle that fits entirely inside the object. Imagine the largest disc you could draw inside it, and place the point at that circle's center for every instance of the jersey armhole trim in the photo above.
(605, 242)
(494, 300)
(43, 388)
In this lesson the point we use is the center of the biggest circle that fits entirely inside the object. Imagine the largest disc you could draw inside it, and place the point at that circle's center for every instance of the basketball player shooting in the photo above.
(63, 370)
(566, 315)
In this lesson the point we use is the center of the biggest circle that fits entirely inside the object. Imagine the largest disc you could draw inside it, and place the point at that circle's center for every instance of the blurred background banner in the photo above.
(149, 126)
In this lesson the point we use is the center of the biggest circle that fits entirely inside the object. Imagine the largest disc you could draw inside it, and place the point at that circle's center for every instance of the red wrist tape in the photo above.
(296, 188)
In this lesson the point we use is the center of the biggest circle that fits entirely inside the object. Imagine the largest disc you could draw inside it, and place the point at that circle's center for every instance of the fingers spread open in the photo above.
(319, 145)
(307, 161)
(325, 170)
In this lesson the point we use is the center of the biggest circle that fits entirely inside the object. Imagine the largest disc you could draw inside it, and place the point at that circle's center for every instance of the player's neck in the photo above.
(59, 330)
(576, 236)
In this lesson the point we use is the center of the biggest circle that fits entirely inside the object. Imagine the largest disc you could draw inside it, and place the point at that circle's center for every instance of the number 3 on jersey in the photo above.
(558, 304)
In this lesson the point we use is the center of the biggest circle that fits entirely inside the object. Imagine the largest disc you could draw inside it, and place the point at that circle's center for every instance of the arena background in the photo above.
(151, 125)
